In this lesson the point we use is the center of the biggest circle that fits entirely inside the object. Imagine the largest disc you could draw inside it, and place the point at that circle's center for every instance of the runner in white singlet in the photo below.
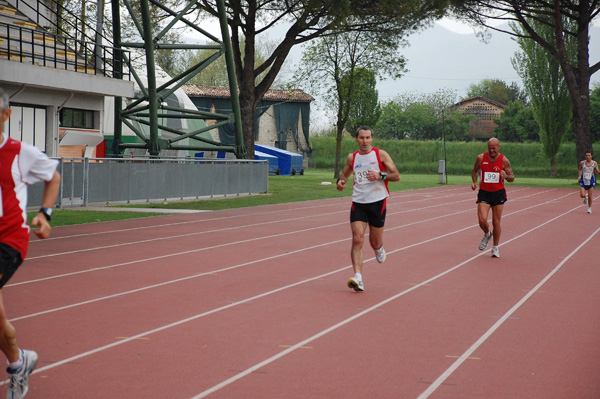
(587, 179)
(373, 169)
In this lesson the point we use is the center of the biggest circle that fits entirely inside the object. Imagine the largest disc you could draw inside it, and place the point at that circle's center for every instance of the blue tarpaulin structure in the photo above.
(290, 163)
(271, 159)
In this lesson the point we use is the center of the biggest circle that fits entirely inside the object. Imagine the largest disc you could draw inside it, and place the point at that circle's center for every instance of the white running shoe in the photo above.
(484, 241)
(585, 200)
(19, 379)
(589, 210)
(356, 284)
(495, 252)
(380, 254)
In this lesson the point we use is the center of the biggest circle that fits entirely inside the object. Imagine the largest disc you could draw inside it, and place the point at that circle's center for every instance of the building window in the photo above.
(77, 118)
(28, 123)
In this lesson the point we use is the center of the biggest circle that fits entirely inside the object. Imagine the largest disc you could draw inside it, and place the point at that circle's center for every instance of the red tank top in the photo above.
(490, 173)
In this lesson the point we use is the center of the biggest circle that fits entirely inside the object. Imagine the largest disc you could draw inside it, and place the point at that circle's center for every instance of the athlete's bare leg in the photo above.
(496, 216)
(375, 237)
(358, 238)
(483, 210)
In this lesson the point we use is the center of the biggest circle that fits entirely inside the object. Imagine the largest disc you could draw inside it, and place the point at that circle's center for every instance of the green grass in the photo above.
(283, 189)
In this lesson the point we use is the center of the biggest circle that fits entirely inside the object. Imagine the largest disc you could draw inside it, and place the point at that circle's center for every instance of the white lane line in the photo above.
(307, 341)
(220, 218)
(235, 243)
(294, 347)
(232, 228)
(446, 374)
(120, 294)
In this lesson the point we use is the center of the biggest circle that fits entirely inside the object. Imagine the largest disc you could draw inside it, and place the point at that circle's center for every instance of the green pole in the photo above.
(118, 68)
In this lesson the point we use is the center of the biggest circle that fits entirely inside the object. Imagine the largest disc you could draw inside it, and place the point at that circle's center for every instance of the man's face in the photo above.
(588, 156)
(364, 138)
(493, 148)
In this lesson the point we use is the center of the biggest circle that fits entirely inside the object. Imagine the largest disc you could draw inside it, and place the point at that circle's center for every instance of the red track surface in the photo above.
(253, 303)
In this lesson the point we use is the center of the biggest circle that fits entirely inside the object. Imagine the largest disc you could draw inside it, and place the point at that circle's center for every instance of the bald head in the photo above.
(494, 141)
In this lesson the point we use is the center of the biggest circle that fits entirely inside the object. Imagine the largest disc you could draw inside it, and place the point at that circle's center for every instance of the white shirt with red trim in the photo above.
(20, 164)
(365, 191)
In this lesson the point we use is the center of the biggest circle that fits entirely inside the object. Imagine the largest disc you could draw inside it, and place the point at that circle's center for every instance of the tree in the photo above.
(365, 109)
(545, 84)
(336, 66)
(595, 114)
(577, 71)
(306, 20)
(456, 125)
(497, 90)
(423, 116)
(517, 124)
(388, 125)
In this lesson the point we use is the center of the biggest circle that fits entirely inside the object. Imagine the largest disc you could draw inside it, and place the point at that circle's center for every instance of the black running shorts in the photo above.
(492, 198)
(10, 260)
(372, 213)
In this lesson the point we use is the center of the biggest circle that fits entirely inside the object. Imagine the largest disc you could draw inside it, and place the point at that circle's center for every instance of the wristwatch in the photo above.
(47, 213)
(383, 175)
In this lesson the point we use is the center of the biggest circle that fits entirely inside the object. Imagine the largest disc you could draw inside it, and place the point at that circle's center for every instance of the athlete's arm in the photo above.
(475, 171)
(341, 183)
(392, 172)
(507, 172)
(51, 190)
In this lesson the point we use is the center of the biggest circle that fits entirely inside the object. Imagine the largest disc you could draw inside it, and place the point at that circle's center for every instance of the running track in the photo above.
(253, 303)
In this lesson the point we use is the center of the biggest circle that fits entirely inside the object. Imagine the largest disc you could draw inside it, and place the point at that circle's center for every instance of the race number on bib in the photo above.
(491, 177)
(587, 176)
(361, 176)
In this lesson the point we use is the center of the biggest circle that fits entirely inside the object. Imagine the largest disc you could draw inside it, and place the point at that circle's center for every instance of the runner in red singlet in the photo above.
(493, 169)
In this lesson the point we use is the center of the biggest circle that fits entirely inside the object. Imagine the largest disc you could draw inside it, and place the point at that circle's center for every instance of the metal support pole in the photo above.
(118, 71)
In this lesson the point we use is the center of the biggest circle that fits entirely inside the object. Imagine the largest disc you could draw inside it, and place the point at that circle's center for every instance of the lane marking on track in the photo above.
(234, 228)
(220, 218)
(278, 356)
(280, 289)
(446, 374)
(212, 272)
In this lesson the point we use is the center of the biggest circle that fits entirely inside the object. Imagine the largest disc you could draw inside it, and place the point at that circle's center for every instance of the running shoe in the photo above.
(589, 210)
(495, 252)
(380, 255)
(484, 241)
(356, 284)
(19, 379)
(585, 200)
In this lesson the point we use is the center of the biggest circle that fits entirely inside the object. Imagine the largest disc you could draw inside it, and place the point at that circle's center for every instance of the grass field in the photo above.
(284, 189)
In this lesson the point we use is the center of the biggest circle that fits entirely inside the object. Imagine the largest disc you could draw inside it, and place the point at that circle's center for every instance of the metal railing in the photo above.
(42, 48)
(106, 181)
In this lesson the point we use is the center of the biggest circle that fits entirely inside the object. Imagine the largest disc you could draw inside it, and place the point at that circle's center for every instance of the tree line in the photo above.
(560, 31)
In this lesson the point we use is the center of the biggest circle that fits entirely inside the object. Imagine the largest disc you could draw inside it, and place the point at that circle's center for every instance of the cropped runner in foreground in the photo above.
(373, 169)
(20, 164)
(493, 169)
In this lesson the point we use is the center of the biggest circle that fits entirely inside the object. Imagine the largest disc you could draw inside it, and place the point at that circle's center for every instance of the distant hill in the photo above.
(439, 58)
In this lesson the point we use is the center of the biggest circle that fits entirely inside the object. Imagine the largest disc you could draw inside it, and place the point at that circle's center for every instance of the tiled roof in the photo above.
(480, 98)
(296, 95)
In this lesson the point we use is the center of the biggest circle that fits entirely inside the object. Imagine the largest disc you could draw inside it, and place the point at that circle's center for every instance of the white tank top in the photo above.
(587, 172)
(365, 191)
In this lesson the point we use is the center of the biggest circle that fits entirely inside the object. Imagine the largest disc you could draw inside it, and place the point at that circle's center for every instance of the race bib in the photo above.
(361, 177)
(587, 176)
(491, 177)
